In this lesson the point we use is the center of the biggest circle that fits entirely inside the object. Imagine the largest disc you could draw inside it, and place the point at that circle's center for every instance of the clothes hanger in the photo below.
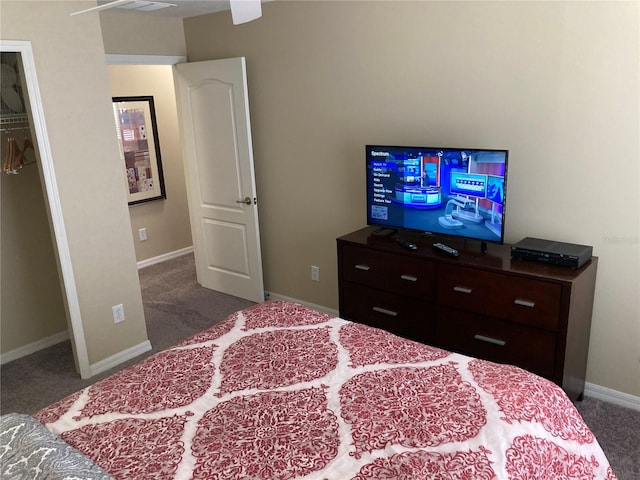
(15, 157)
(21, 159)
(8, 159)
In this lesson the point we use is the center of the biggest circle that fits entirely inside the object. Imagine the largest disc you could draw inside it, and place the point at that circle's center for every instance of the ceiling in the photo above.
(182, 9)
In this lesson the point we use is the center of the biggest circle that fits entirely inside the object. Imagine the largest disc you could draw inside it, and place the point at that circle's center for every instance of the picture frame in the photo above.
(137, 131)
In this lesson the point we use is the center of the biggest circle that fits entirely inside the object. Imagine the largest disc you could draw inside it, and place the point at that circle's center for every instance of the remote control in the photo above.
(406, 244)
(446, 249)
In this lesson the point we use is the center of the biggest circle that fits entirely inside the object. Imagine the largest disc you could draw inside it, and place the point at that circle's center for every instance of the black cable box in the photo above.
(554, 253)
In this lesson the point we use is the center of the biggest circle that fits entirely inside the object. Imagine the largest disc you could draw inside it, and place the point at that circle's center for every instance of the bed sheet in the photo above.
(280, 391)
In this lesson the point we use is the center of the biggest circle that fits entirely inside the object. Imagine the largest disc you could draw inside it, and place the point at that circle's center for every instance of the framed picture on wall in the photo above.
(139, 148)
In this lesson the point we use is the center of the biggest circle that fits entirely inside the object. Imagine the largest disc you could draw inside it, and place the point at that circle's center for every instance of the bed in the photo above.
(281, 391)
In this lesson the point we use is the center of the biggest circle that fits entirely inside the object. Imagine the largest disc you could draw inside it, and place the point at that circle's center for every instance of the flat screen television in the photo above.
(448, 191)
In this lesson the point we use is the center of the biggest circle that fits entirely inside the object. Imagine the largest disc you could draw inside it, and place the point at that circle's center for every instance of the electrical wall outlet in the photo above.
(118, 313)
(142, 233)
(315, 273)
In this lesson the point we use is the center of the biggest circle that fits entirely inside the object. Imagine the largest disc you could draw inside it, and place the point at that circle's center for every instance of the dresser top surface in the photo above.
(497, 257)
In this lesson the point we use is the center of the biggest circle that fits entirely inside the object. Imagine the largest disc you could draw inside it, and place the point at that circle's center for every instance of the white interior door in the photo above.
(213, 110)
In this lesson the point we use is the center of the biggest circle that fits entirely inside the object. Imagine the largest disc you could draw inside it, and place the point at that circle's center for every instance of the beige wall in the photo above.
(136, 34)
(554, 82)
(166, 221)
(73, 82)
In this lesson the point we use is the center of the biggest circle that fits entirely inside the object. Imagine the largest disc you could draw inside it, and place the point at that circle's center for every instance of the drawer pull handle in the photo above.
(384, 311)
(495, 341)
(409, 278)
(462, 289)
(524, 303)
(362, 267)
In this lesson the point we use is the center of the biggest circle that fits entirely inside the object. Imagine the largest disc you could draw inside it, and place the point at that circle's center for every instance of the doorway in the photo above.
(225, 162)
(35, 125)
(164, 222)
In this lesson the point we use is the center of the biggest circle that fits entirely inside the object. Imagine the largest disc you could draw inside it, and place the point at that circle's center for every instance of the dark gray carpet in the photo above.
(618, 432)
(176, 307)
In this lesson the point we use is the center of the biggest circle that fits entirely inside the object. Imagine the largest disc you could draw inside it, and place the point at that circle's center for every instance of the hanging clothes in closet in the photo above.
(16, 145)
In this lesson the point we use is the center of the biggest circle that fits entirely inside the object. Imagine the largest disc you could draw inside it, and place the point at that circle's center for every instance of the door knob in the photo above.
(246, 201)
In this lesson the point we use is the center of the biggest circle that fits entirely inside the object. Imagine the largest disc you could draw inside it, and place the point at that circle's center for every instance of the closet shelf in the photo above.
(14, 122)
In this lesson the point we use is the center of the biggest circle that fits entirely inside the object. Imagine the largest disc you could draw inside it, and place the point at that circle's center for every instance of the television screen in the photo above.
(449, 191)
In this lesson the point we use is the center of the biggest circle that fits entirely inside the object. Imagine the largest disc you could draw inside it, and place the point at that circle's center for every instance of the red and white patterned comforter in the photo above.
(279, 391)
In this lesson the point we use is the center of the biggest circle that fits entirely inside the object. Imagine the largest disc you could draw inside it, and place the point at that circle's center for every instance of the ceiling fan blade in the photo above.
(138, 5)
(105, 6)
(243, 11)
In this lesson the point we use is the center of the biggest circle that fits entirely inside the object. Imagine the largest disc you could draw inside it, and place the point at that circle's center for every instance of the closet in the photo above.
(32, 305)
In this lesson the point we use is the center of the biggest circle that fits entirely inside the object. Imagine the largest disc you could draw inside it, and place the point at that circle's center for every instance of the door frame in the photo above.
(48, 178)
(172, 60)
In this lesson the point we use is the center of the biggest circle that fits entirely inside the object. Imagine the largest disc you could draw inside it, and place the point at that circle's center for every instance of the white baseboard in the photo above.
(62, 336)
(95, 368)
(276, 296)
(33, 347)
(612, 396)
(120, 357)
(164, 257)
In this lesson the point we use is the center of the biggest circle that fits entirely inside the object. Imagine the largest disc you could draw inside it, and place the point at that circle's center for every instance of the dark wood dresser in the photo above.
(485, 305)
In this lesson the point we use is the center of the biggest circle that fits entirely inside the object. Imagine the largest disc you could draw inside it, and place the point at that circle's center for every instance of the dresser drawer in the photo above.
(526, 301)
(463, 288)
(400, 315)
(496, 340)
(405, 275)
(518, 299)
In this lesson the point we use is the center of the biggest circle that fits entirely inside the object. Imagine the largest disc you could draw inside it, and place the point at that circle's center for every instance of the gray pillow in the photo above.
(29, 451)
